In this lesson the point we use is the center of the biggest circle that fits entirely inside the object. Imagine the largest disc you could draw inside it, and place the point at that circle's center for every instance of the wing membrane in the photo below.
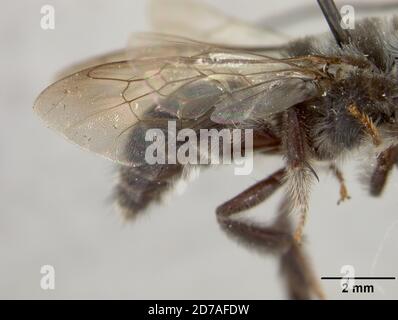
(101, 107)
(205, 23)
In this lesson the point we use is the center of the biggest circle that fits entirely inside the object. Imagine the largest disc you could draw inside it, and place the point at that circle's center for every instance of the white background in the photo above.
(55, 204)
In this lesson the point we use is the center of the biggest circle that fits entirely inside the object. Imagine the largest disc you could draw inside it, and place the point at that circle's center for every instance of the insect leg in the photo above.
(367, 123)
(300, 280)
(299, 173)
(253, 195)
(261, 237)
(340, 178)
(385, 162)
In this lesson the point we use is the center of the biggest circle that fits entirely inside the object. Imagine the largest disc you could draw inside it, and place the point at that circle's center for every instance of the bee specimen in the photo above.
(313, 101)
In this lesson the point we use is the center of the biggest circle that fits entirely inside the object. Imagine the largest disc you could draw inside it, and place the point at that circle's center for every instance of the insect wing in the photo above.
(206, 23)
(99, 108)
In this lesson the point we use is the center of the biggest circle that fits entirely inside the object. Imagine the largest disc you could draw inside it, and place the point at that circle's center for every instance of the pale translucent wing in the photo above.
(195, 20)
(159, 45)
(91, 113)
(264, 100)
(118, 55)
(107, 108)
(139, 45)
(134, 49)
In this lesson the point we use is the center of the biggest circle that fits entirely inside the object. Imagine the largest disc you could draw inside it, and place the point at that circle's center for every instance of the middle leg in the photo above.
(340, 178)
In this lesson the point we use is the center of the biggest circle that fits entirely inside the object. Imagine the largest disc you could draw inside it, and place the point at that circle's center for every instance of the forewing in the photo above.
(118, 55)
(108, 108)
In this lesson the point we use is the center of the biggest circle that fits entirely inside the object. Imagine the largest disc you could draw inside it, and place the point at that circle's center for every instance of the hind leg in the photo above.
(300, 279)
(276, 238)
(385, 163)
(262, 237)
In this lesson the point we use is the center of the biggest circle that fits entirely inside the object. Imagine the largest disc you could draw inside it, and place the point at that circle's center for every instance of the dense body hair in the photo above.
(355, 105)
(332, 129)
(315, 100)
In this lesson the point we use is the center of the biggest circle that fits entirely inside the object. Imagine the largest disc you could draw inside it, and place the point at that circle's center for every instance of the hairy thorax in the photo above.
(361, 95)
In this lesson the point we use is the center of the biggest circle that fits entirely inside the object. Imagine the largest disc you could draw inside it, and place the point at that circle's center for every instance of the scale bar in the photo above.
(358, 278)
